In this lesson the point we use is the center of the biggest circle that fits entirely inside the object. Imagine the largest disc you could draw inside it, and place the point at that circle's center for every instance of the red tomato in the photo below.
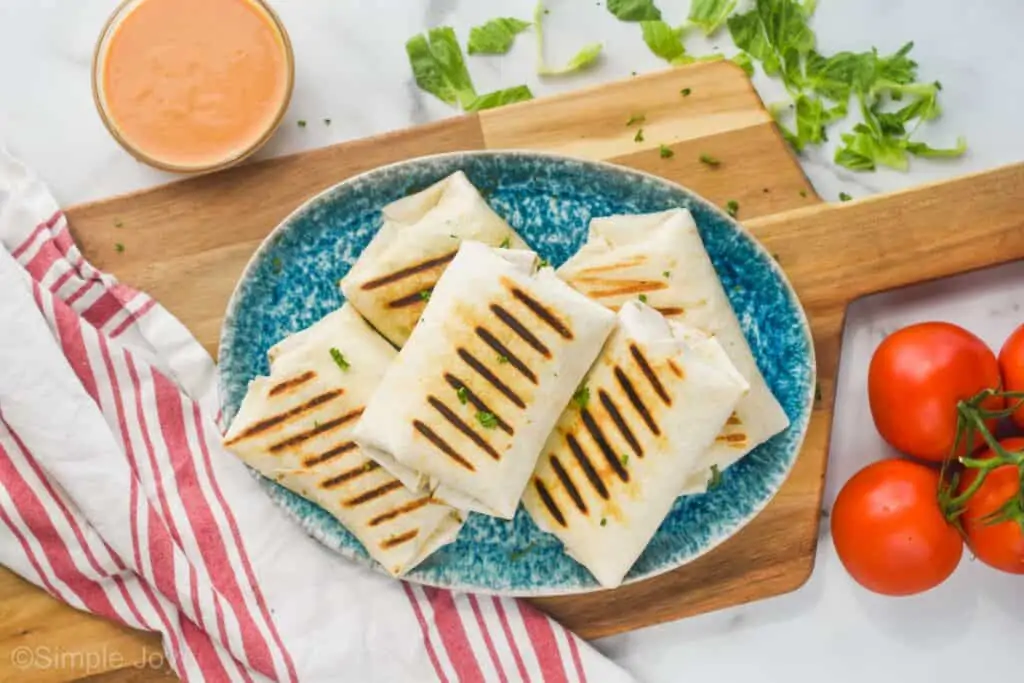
(916, 378)
(1011, 364)
(889, 531)
(999, 545)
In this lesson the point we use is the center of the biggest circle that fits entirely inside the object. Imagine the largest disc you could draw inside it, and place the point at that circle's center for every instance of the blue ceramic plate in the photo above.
(291, 283)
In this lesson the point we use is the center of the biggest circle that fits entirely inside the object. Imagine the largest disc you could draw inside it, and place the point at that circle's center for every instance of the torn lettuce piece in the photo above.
(710, 15)
(500, 98)
(744, 61)
(634, 10)
(586, 57)
(438, 66)
(663, 40)
(496, 36)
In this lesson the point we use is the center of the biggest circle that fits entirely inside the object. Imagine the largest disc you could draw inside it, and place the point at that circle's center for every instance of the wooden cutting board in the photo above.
(186, 244)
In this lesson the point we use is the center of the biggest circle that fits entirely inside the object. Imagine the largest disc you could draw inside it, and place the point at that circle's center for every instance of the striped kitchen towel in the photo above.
(117, 498)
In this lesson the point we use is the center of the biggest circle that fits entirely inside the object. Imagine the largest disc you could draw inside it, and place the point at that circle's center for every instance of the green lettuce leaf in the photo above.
(496, 36)
(664, 41)
(743, 61)
(500, 98)
(634, 10)
(438, 66)
(775, 32)
(710, 15)
(922, 150)
(585, 58)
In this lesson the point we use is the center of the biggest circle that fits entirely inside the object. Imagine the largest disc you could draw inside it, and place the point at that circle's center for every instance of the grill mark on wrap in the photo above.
(460, 424)
(493, 379)
(441, 445)
(404, 273)
(568, 484)
(585, 464)
(602, 444)
(624, 287)
(548, 501)
(321, 428)
(649, 373)
(521, 330)
(677, 371)
(330, 454)
(413, 299)
(349, 475)
(620, 422)
(289, 384)
(269, 423)
(734, 419)
(669, 310)
(399, 539)
(399, 511)
(634, 398)
(373, 494)
(635, 260)
(456, 384)
(504, 352)
(538, 309)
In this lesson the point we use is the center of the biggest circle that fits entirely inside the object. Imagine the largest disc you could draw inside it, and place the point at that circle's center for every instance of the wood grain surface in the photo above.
(186, 244)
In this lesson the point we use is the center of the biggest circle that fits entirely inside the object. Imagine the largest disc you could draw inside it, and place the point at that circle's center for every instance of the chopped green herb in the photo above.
(685, 92)
(716, 478)
(776, 257)
(438, 66)
(665, 152)
(486, 420)
(302, 123)
(634, 10)
(709, 160)
(843, 197)
(543, 263)
(639, 137)
(663, 40)
(118, 223)
(710, 15)
(636, 118)
(817, 392)
(327, 122)
(118, 247)
(496, 36)
(425, 295)
(582, 396)
(277, 264)
(499, 98)
(502, 360)
(625, 458)
(803, 193)
(316, 424)
(505, 243)
(604, 521)
(339, 359)
(666, 273)
(643, 298)
(732, 207)
(518, 554)
(463, 395)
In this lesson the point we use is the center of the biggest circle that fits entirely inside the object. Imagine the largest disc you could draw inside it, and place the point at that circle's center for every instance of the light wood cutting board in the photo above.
(187, 243)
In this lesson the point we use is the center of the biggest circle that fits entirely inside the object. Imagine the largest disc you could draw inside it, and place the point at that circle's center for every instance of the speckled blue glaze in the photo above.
(292, 281)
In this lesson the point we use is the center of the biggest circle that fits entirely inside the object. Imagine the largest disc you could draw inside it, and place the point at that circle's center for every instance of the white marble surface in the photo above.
(352, 69)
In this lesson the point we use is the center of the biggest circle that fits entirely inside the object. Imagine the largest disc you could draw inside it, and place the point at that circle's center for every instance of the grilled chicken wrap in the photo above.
(295, 427)
(393, 277)
(608, 475)
(478, 387)
(662, 257)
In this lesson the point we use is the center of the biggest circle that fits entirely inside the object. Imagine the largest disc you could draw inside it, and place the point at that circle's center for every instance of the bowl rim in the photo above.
(803, 421)
(99, 100)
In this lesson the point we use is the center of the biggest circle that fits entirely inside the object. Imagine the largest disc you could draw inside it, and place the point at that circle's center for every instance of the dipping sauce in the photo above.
(191, 85)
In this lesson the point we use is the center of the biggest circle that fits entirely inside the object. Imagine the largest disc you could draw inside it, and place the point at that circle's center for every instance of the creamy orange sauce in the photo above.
(191, 83)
